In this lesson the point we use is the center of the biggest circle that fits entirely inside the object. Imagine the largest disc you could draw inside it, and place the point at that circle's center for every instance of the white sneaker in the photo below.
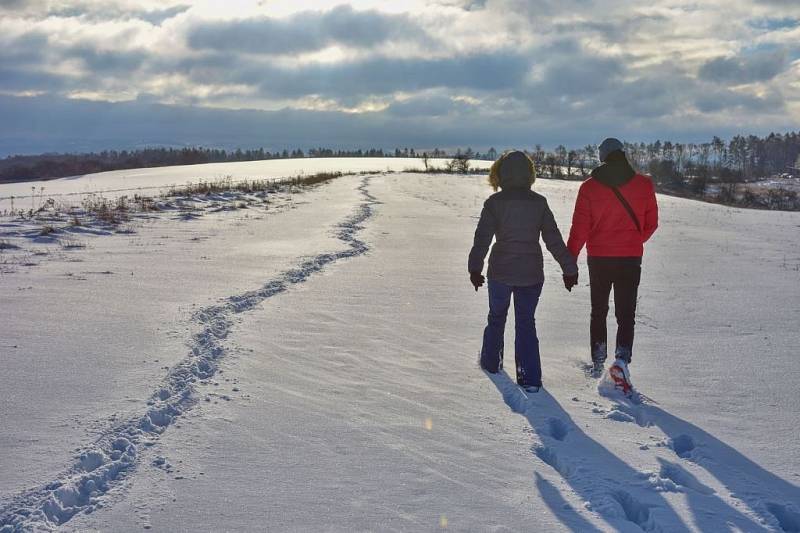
(621, 375)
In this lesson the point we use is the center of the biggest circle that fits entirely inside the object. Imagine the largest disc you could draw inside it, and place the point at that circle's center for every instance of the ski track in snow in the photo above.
(113, 457)
(631, 500)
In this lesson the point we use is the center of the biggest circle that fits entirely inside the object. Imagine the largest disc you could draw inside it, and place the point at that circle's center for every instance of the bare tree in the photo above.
(561, 157)
(460, 162)
(572, 155)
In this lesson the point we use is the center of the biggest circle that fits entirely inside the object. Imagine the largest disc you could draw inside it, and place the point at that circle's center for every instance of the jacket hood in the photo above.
(614, 173)
(515, 171)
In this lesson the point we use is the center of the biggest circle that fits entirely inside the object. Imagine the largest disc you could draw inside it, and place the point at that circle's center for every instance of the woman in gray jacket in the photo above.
(516, 216)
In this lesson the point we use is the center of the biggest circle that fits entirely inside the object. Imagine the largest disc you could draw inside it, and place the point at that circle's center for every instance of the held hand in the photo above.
(570, 280)
(477, 279)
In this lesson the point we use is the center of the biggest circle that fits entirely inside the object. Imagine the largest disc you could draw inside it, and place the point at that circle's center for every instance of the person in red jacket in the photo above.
(615, 214)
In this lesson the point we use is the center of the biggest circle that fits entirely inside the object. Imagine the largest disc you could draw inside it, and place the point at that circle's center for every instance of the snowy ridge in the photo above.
(114, 455)
(744, 496)
(114, 183)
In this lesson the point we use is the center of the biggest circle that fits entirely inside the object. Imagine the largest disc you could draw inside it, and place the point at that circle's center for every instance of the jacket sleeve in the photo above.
(581, 223)
(555, 243)
(650, 216)
(483, 239)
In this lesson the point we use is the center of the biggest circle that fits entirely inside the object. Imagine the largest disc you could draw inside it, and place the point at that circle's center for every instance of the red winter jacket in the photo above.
(601, 222)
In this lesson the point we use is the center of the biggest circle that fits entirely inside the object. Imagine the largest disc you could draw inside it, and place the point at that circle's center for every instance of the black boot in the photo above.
(599, 355)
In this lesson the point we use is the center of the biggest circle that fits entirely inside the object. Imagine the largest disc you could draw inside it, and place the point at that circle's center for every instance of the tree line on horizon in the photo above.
(717, 171)
(742, 158)
(57, 165)
(674, 165)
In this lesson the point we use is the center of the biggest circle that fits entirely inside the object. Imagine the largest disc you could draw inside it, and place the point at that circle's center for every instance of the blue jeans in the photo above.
(526, 344)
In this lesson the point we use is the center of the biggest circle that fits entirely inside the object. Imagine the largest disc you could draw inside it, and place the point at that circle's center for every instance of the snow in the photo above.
(152, 181)
(311, 365)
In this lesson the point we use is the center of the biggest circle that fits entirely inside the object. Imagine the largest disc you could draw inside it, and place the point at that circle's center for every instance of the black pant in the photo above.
(622, 273)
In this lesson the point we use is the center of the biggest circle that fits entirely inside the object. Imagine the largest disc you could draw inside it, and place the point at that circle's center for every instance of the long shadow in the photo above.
(561, 509)
(710, 512)
(611, 487)
(772, 498)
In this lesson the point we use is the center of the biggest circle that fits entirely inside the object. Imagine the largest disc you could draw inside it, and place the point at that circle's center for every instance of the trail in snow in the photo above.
(752, 499)
(112, 457)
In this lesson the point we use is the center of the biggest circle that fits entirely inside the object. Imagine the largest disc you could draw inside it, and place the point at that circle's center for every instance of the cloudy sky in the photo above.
(85, 74)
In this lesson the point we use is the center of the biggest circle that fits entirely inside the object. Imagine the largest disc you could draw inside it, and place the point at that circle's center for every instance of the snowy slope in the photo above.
(347, 395)
(152, 181)
(96, 329)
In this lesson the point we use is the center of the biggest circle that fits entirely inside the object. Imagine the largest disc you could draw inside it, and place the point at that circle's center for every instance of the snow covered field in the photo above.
(152, 181)
(311, 366)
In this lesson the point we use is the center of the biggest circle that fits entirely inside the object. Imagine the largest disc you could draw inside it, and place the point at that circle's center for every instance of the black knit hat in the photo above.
(609, 145)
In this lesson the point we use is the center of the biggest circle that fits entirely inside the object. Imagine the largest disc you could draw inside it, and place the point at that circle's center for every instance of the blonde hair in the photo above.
(494, 172)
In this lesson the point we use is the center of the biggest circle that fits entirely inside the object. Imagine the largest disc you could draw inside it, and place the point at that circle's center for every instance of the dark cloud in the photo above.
(39, 124)
(537, 13)
(430, 106)
(475, 5)
(497, 71)
(649, 96)
(24, 62)
(771, 24)
(723, 100)
(581, 75)
(575, 84)
(745, 68)
(16, 79)
(569, 80)
(12, 4)
(306, 31)
(21, 65)
(92, 13)
(35, 125)
(107, 62)
(157, 16)
(27, 49)
(88, 11)
(781, 3)
(612, 29)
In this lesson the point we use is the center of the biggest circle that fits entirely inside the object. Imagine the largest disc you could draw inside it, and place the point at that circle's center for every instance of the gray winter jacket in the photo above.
(516, 216)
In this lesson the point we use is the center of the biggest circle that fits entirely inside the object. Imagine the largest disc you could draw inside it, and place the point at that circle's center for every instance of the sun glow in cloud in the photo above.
(557, 69)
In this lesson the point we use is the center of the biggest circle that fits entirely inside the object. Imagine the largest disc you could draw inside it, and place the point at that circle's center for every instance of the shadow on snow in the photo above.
(627, 498)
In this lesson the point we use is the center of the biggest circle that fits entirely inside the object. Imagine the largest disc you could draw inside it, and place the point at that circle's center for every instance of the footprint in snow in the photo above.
(682, 445)
(682, 478)
(550, 456)
(557, 429)
(634, 510)
(627, 413)
(787, 517)
(619, 416)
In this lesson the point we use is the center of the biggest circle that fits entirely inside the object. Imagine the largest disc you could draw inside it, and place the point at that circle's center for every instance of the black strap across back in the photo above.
(627, 207)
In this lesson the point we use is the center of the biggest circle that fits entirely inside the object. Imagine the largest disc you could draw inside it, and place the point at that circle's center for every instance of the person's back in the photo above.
(516, 217)
(601, 221)
(615, 214)
(520, 217)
